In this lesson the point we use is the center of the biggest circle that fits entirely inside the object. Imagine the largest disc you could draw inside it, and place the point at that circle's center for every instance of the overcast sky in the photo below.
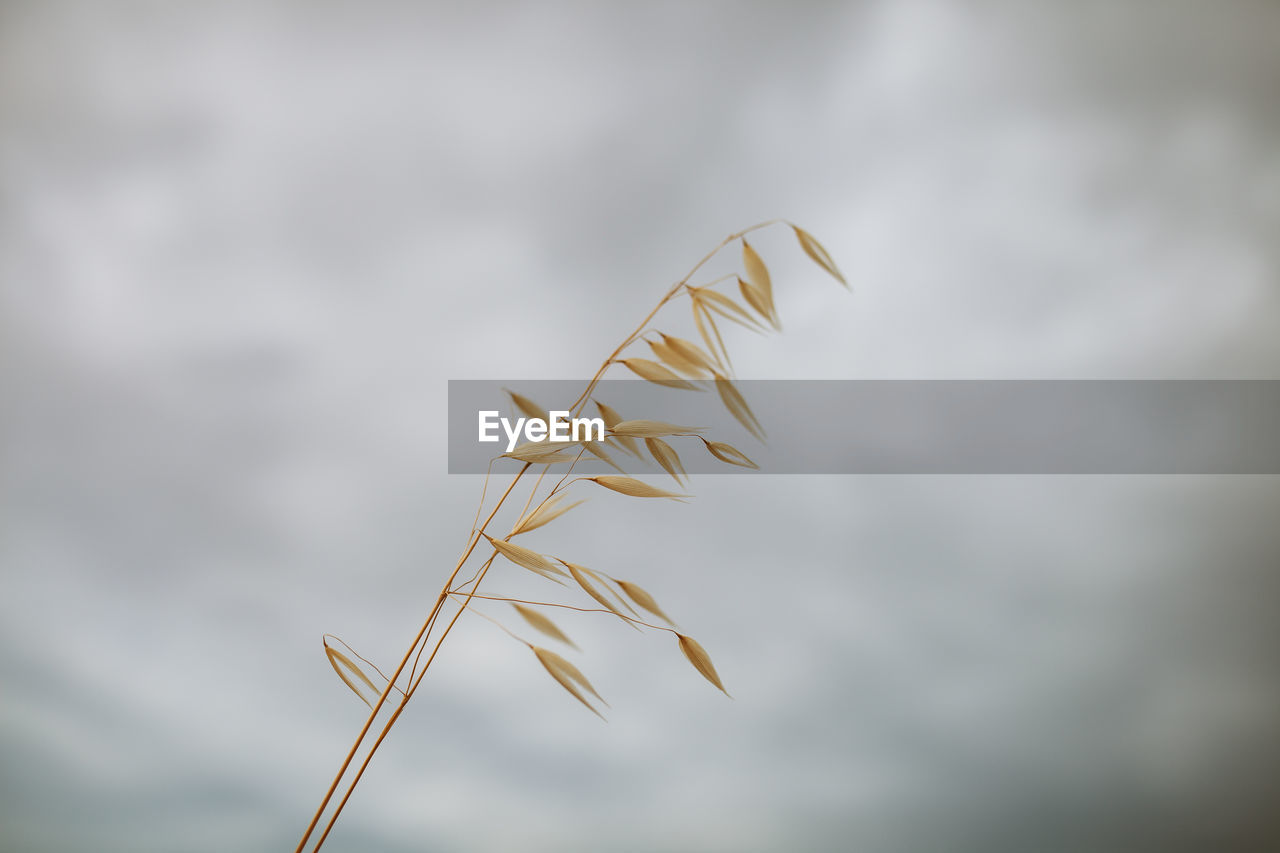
(244, 245)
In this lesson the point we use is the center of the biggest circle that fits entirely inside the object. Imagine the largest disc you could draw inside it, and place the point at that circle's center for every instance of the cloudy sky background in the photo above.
(244, 245)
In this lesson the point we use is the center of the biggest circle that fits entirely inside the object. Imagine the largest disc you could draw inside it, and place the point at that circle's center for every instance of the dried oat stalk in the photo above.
(670, 361)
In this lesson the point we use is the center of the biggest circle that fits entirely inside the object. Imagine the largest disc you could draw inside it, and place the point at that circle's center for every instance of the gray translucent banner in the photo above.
(915, 427)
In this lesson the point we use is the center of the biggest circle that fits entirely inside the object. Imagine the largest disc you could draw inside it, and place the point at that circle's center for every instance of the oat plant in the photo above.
(547, 470)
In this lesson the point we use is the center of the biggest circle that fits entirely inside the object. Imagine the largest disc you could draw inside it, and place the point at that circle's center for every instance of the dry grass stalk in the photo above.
(680, 364)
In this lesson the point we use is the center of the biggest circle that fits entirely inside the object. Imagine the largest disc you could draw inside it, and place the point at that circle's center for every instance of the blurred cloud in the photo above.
(244, 245)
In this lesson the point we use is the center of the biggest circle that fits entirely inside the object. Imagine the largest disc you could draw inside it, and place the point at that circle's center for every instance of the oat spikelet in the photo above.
(529, 408)
(818, 254)
(341, 662)
(758, 302)
(637, 593)
(666, 456)
(726, 452)
(677, 360)
(595, 449)
(611, 417)
(545, 452)
(543, 624)
(689, 352)
(737, 406)
(758, 287)
(679, 364)
(633, 487)
(727, 308)
(526, 558)
(568, 676)
(656, 373)
(703, 320)
(651, 429)
(548, 511)
(582, 575)
(701, 661)
(603, 580)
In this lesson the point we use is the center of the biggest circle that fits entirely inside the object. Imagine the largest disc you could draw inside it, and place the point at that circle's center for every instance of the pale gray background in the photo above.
(243, 245)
